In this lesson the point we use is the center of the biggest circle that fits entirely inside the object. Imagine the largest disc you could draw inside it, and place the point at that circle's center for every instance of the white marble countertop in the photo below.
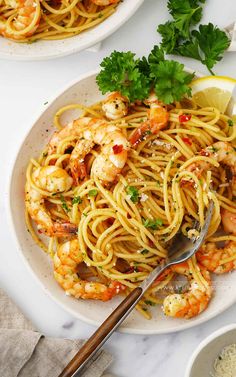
(24, 87)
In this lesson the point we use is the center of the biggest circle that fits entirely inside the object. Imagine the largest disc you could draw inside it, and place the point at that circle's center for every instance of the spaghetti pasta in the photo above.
(32, 20)
(124, 227)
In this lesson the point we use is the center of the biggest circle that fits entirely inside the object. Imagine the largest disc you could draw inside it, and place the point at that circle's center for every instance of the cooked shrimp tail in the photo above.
(212, 257)
(190, 303)
(158, 118)
(66, 262)
(25, 22)
(90, 132)
(115, 106)
(229, 221)
(54, 180)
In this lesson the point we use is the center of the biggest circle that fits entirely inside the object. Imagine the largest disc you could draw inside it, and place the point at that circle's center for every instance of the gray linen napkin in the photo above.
(24, 352)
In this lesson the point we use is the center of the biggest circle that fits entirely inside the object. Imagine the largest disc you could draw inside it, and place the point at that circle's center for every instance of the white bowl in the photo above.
(42, 50)
(85, 91)
(202, 360)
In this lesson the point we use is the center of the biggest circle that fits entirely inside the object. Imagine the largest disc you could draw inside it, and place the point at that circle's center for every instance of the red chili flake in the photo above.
(204, 153)
(186, 140)
(184, 118)
(130, 271)
(110, 221)
(151, 243)
(117, 149)
(128, 216)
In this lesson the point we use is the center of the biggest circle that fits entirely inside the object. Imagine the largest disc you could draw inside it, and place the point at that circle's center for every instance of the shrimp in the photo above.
(66, 262)
(90, 131)
(115, 106)
(194, 301)
(158, 118)
(229, 221)
(25, 22)
(104, 3)
(52, 179)
(210, 257)
(220, 151)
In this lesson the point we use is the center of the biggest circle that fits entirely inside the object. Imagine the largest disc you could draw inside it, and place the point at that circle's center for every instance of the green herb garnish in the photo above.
(93, 192)
(144, 252)
(77, 200)
(134, 78)
(64, 204)
(149, 302)
(230, 123)
(133, 193)
(206, 44)
(152, 224)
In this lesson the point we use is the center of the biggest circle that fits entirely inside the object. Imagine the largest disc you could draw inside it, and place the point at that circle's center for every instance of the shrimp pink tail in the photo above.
(78, 171)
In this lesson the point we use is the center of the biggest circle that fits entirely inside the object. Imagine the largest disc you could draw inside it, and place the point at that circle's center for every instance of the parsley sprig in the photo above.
(122, 72)
(207, 44)
(134, 78)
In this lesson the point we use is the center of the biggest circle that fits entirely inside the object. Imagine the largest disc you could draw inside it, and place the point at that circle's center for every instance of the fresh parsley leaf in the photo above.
(144, 66)
(149, 302)
(133, 193)
(64, 204)
(213, 42)
(207, 44)
(77, 200)
(190, 49)
(93, 192)
(170, 36)
(144, 252)
(121, 72)
(185, 13)
(153, 224)
(171, 81)
(156, 56)
(230, 123)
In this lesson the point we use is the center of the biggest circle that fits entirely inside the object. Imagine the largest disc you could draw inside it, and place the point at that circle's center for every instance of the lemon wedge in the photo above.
(214, 91)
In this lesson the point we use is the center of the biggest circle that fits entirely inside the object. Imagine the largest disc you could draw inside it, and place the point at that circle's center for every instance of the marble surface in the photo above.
(24, 87)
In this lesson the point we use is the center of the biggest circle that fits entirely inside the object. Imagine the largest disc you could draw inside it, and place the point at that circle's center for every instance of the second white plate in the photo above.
(42, 50)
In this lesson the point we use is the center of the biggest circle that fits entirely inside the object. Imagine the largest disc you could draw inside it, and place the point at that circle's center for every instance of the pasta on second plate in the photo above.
(32, 20)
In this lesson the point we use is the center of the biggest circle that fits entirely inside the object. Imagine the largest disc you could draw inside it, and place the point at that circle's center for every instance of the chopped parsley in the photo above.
(149, 302)
(77, 200)
(133, 193)
(230, 123)
(214, 149)
(64, 204)
(93, 192)
(144, 252)
(152, 224)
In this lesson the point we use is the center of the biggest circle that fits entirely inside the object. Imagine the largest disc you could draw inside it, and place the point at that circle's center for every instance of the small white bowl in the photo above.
(43, 50)
(202, 360)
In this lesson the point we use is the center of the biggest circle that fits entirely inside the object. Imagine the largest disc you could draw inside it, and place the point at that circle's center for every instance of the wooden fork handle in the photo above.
(99, 337)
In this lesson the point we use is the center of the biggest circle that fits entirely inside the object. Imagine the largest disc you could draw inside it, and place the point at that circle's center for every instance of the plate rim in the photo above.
(85, 45)
(128, 330)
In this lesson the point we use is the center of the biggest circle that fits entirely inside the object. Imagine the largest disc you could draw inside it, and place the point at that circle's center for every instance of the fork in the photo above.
(181, 250)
